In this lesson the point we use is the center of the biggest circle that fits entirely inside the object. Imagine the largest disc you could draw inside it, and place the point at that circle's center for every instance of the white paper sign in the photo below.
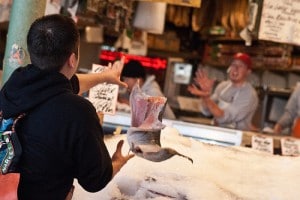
(150, 17)
(280, 21)
(182, 73)
(262, 143)
(104, 96)
(290, 147)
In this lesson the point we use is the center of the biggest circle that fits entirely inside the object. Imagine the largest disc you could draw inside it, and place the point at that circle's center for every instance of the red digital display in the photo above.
(156, 63)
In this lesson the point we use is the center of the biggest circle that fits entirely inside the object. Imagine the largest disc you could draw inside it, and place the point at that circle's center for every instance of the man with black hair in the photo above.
(60, 135)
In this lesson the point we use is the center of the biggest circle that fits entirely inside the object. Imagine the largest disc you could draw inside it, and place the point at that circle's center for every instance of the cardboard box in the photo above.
(166, 42)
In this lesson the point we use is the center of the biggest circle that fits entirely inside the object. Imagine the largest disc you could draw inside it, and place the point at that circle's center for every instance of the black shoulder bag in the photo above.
(10, 147)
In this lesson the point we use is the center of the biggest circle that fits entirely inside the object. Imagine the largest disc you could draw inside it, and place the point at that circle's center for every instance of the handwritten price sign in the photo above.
(262, 143)
(103, 96)
(290, 147)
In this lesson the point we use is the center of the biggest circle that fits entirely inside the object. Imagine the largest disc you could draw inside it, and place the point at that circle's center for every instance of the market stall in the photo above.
(227, 163)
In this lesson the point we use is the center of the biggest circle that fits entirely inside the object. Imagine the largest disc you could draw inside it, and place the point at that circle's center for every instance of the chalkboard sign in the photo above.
(280, 21)
(290, 147)
(103, 96)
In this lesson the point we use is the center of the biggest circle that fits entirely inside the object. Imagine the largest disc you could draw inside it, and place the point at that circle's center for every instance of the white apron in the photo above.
(223, 105)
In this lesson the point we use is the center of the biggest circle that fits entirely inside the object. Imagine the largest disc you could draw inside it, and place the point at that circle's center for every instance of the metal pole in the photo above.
(23, 13)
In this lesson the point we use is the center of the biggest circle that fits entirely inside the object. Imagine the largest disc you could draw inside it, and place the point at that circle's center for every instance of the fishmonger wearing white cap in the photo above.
(234, 101)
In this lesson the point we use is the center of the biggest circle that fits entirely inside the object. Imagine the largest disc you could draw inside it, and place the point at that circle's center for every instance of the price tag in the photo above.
(103, 96)
(290, 147)
(262, 143)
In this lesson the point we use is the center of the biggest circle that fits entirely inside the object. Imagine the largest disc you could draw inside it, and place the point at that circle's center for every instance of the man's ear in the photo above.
(72, 61)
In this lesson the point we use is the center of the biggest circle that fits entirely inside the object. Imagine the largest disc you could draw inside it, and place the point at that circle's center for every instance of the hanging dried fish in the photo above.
(195, 18)
(233, 17)
(171, 9)
(225, 14)
(178, 16)
(186, 16)
(243, 14)
(238, 16)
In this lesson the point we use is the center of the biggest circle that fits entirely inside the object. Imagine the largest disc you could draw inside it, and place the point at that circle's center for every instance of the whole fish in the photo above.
(146, 124)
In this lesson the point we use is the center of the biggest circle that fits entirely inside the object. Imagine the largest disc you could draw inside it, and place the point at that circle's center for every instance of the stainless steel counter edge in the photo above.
(205, 133)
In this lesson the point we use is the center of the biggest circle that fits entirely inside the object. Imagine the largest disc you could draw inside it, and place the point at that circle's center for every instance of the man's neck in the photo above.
(238, 84)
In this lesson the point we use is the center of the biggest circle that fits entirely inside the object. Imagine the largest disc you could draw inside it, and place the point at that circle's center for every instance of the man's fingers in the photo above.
(128, 157)
(120, 64)
(119, 145)
(123, 84)
(123, 60)
(118, 152)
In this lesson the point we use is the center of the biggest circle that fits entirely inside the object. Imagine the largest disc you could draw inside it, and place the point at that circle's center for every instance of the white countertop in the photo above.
(217, 172)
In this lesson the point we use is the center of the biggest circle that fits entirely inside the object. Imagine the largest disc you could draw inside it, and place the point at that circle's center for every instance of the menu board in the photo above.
(280, 21)
(103, 96)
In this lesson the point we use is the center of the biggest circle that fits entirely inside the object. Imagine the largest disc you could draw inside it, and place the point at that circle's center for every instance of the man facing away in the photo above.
(60, 135)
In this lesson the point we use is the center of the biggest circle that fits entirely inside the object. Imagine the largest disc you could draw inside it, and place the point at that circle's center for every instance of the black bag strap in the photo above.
(15, 121)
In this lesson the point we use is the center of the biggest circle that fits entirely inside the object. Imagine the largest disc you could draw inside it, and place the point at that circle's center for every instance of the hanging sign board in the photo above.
(262, 143)
(290, 147)
(280, 21)
(150, 17)
(190, 3)
(103, 96)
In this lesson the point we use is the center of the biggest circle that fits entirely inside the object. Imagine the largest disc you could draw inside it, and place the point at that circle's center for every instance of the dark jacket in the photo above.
(60, 135)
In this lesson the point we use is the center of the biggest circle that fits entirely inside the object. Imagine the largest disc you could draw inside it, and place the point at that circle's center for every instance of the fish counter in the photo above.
(121, 121)
(181, 160)
(217, 172)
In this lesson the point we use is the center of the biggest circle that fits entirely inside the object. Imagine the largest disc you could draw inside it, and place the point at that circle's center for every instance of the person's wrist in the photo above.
(206, 98)
(117, 167)
(277, 128)
(105, 77)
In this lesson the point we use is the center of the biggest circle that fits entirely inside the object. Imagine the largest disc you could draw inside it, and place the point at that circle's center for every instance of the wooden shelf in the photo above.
(184, 55)
(278, 69)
